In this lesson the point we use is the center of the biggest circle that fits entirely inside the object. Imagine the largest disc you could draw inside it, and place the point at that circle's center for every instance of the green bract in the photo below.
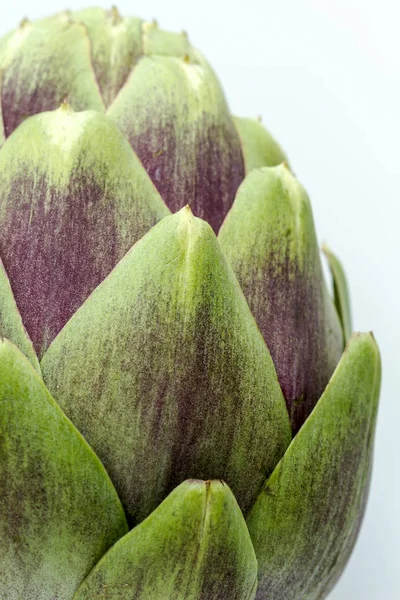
(185, 413)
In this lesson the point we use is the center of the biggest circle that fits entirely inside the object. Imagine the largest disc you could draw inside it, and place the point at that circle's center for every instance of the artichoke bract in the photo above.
(185, 412)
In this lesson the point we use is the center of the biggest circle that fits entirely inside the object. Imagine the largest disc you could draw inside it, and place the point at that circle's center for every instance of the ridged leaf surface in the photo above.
(270, 240)
(194, 546)
(306, 520)
(59, 512)
(73, 200)
(173, 111)
(165, 373)
(44, 63)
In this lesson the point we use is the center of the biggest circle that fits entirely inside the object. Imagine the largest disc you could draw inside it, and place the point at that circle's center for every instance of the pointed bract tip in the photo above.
(65, 106)
(115, 15)
(326, 249)
(24, 22)
(283, 171)
(372, 337)
(374, 342)
(363, 337)
(5, 345)
(148, 25)
(369, 340)
(66, 15)
(186, 58)
(207, 484)
(187, 221)
(186, 211)
(192, 226)
(259, 118)
(184, 34)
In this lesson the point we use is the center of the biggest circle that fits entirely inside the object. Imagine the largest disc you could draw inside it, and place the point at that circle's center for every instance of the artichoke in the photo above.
(184, 411)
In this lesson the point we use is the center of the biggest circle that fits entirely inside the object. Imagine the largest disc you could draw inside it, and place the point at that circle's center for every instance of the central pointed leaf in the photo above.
(166, 374)
(194, 546)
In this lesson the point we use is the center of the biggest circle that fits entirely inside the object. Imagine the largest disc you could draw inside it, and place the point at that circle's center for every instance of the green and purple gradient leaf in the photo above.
(194, 545)
(158, 89)
(269, 239)
(173, 112)
(43, 64)
(166, 374)
(59, 512)
(259, 148)
(305, 522)
(116, 46)
(73, 199)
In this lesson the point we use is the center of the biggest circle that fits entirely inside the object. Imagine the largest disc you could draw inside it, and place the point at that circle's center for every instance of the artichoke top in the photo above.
(153, 85)
(167, 333)
(129, 90)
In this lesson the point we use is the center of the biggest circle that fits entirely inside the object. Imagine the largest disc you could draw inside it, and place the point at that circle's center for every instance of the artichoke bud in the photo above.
(194, 545)
(59, 512)
(73, 200)
(140, 351)
(270, 241)
(176, 379)
(174, 113)
(259, 148)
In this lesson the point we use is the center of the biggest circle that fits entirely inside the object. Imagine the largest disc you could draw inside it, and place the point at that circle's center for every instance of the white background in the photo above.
(325, 76)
